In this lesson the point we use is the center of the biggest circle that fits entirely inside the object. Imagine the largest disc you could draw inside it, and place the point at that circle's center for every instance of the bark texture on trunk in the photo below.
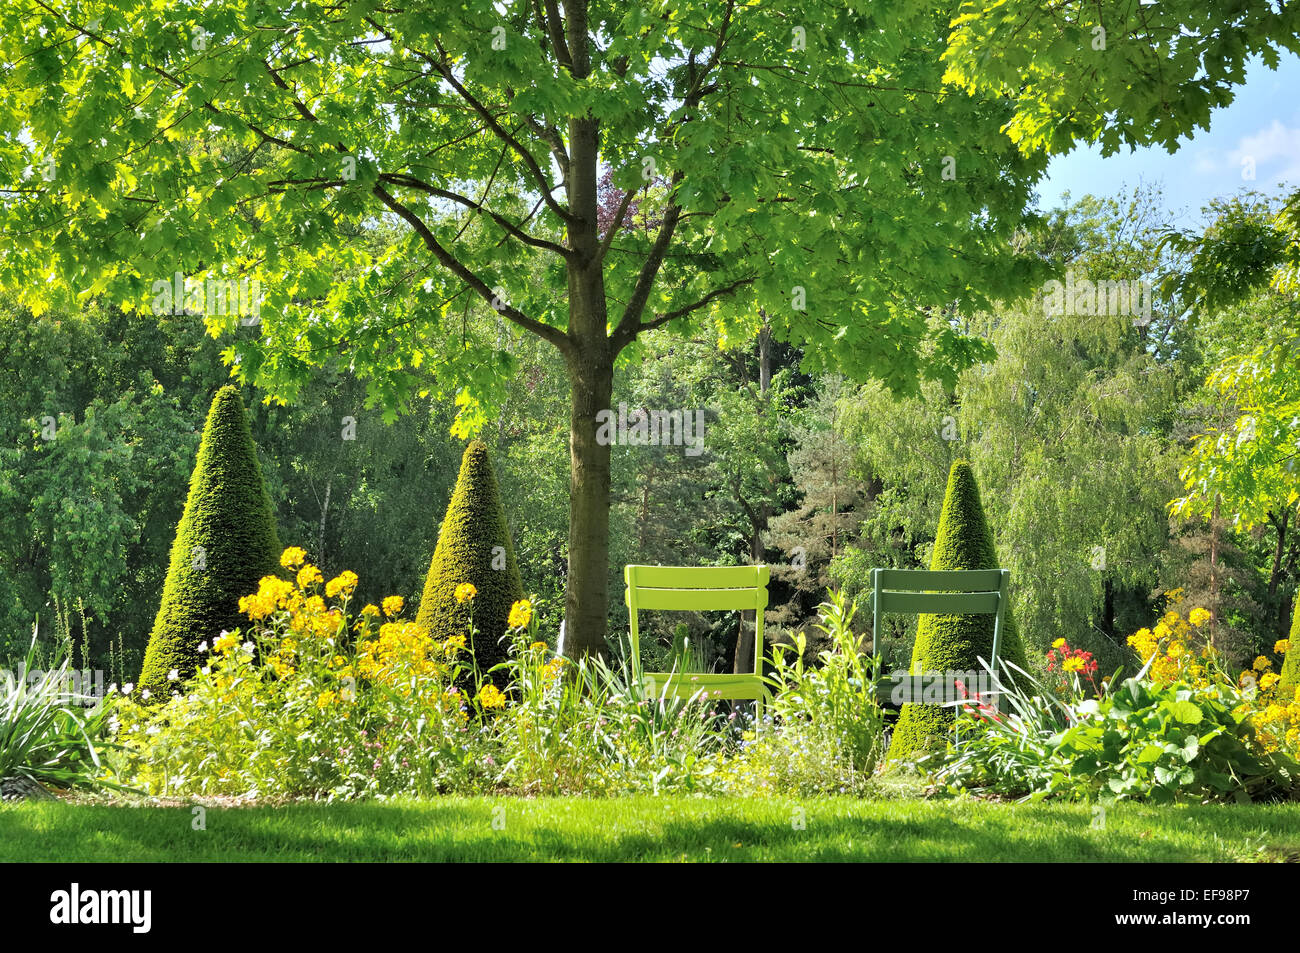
(586, 600)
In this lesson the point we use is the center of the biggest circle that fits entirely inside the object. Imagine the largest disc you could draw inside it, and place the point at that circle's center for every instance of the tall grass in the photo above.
(45, 735)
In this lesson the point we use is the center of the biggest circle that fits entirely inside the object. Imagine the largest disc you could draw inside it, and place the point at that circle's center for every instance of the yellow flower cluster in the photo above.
(309, 576)
(293, 557)
(489, 696)
(521, 613)
(1278, 719)
(551, 670)
(400, 651)
(465, 592)
(272, 593)
(225, 643)
(393, 606)
(342, 584)
(1175, 634)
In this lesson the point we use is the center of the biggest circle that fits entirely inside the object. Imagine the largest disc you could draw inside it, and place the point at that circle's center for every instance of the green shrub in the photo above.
(1145, 741)
(474, 547)
(953, 643)
(225, 542)
(826, 728)
(313, 698)
(1291, 660)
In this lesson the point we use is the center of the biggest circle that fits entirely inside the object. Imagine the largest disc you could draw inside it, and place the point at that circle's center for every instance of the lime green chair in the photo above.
(700, 588)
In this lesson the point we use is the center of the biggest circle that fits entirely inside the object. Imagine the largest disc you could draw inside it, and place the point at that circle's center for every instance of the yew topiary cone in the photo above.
(1291, 660)
(225, 542)
(474, 547)
(953, 642)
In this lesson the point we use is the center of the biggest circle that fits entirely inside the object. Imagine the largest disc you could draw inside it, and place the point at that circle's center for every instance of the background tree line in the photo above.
(1078, 427)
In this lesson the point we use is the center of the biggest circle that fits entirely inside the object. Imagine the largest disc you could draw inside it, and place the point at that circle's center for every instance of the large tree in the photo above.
(816, 168)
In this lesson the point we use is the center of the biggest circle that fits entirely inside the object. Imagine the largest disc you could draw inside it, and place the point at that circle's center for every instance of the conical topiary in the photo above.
(225, 542)
(474, 547)
(1291, 660)
(953, 643)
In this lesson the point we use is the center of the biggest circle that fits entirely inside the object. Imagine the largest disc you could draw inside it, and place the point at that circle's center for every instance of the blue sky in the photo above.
(1262, 123)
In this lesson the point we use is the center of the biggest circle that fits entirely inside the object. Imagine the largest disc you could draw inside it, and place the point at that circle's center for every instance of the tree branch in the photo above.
(408, 181)
(449, 261)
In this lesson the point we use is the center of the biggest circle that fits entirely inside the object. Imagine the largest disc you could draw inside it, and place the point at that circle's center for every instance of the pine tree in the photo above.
(474, 547)
(225, 542)
(953, 643)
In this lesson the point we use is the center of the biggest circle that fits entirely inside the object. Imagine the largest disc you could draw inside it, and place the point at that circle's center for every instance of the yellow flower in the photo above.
(326, 698)
(309, 575)
(1074, 664)
(1059, 643)
(537, 647)
(465, 591)
(521, 613)
(1281, 646)
(393, 605)
(293, 557)
(489, 696)
(1268, 680)
(1163, 631)
(1261, 664)
(1199, 616)
(226, 642)
(1176, 649)
(454, 644)
(344, 582)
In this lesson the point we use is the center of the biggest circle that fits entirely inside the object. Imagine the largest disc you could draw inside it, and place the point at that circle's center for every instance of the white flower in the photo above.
(173, 675)
(144, 694)
(205, 670)
(203, 646)
(248, 648)
(152, 730)
(112, 689)
(128, 688)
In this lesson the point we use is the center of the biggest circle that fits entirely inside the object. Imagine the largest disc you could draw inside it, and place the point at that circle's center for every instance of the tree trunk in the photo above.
(324, 515)
(586, 602)
(590, 364)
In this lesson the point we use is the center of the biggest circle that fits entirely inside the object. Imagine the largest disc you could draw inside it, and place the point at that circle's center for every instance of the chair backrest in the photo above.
(700, 589)
(944, 591)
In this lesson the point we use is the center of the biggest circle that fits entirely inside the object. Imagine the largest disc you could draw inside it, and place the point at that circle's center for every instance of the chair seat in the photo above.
(725, 685)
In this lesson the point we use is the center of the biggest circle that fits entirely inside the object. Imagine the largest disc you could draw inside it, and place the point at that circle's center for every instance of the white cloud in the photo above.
(1275, 151)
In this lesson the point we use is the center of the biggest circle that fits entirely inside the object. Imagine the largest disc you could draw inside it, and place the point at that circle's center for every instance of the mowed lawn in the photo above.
(647, 828)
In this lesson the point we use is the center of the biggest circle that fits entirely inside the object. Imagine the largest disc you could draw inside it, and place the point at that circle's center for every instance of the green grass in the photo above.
(645, 828)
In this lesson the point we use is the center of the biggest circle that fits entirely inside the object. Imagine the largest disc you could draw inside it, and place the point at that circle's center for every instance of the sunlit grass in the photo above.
(647, 828)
